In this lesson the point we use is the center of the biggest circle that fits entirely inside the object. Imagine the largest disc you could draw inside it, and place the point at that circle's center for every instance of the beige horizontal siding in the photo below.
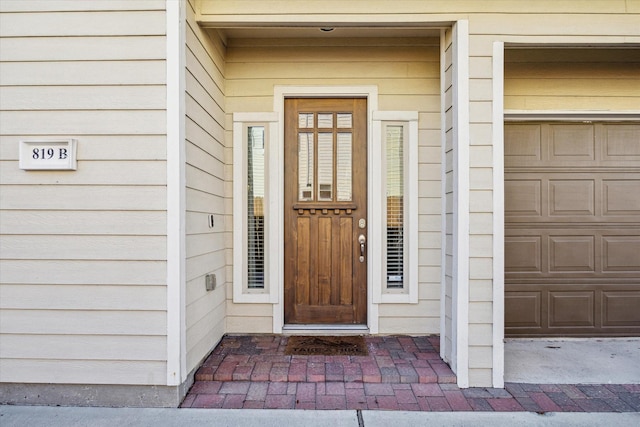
(355, 10)
(74, 297)
(404, 325)
(64, 73)
(94, 23)
(75, 5)
(355, 51)
(340, 70)
(82, 48)
(205, 192)
(65, 347)
(76, 247)
(69, 223)
(20, 351)
(586, 23)
(82, 371)
(83, 322)
(202, 243)
(83, 292)
(113, 173)
(84, 197)
(55, 123)
(584, 79)
(249, 325)
(27, 98)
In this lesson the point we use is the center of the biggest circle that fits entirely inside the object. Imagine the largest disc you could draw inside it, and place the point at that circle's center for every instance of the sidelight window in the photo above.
(398, 135)
(252, 221)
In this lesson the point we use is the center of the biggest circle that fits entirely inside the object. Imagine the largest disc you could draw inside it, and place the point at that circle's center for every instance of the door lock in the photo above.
(362, 240)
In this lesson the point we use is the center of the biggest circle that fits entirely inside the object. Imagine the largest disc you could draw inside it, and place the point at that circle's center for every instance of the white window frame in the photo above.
(409, 292)
(241, 293)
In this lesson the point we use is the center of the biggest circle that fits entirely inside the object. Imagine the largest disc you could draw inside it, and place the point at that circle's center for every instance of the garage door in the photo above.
(572, 229)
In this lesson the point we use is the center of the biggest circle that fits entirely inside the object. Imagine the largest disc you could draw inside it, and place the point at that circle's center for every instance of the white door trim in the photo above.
(276, 264)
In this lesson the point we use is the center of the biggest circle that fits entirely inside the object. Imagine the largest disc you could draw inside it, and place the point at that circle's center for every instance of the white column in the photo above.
(460, 315)
(498, 215)
(176, 275)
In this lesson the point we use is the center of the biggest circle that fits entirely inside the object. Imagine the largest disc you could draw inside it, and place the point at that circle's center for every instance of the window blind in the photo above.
(255, 207)
(395, 206)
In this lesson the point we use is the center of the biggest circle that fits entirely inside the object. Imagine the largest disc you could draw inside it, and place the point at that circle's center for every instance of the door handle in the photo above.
(362, 240)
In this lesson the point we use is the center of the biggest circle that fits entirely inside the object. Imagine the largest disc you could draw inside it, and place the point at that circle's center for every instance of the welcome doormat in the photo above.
(327, 346)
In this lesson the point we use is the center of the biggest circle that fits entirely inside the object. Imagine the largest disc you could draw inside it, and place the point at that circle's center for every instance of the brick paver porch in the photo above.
(400, 373)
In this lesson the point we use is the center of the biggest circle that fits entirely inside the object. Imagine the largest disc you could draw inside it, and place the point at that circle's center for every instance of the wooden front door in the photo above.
(325, 211)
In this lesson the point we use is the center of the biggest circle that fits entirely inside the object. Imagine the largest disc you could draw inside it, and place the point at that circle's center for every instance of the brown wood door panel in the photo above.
(572, 229)
(325, 281)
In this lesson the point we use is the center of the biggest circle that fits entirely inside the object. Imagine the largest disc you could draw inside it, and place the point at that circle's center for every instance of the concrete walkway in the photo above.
(37, 416)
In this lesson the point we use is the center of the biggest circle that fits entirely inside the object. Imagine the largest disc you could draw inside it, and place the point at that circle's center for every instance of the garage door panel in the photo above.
(523, 198)
(523, 253)
(572, 308)
(620, 308)
(621, 143)
(571, 253)
(524, 144)
(571, 142)
(621, 197)
(571, 197)
(523, 309)
(621, 253)
(572, 229)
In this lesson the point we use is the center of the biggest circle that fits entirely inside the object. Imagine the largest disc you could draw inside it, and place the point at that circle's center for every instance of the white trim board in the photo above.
(498, 216)
(443, 192)
(277, 177)
(461, 124)
(176, 194)
(564, 115)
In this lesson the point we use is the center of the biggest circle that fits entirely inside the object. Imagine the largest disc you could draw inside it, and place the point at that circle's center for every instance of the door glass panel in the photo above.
(305, 166)
(305, 120)
(325, 165)
(343, 167)
(255, 207)
(325, 120)
(395, 206)
(344, 120)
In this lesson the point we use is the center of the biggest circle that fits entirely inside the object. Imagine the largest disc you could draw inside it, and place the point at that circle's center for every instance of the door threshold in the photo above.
(325, 329)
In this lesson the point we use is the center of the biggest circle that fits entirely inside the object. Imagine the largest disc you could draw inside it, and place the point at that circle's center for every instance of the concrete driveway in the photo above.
(573, 361)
